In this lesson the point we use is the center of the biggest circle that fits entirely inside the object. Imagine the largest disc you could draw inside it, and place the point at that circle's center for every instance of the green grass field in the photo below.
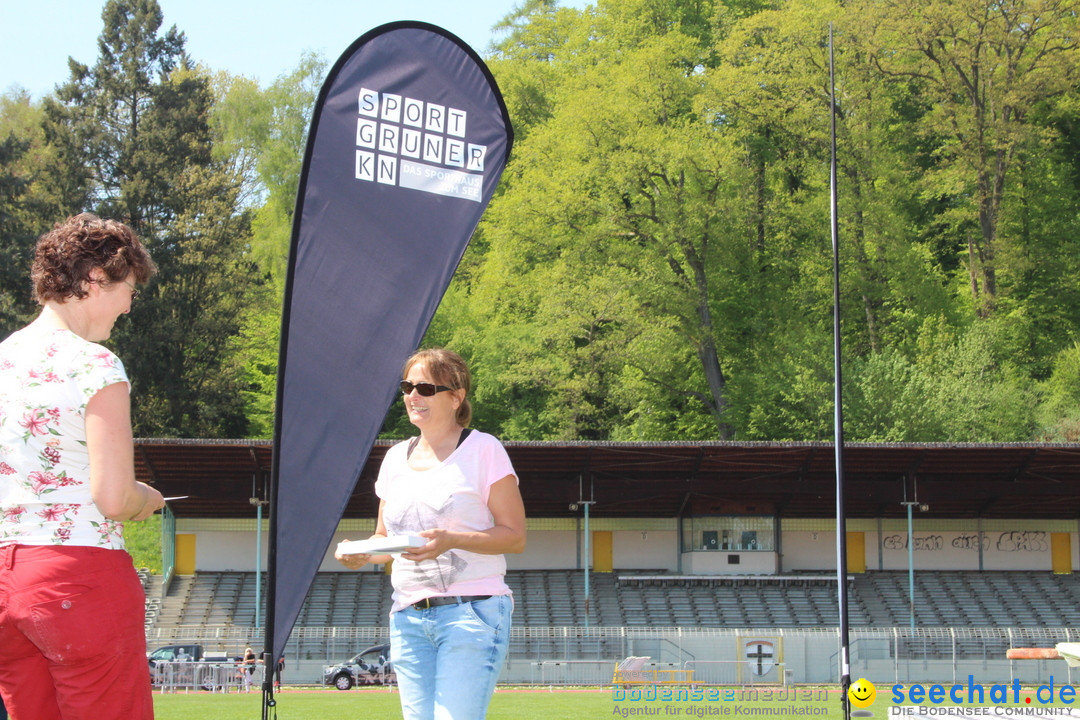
(507, 704)
(517, 703)
(372, 705)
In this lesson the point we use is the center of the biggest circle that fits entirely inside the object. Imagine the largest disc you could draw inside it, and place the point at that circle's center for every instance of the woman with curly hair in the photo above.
(72, 644)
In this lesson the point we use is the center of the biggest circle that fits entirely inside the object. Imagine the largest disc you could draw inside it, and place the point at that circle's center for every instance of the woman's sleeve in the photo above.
(97, 368)
(386, 469)
(497, 465)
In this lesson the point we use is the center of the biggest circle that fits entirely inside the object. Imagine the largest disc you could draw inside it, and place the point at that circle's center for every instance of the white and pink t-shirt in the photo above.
(46, 379)
(452, 495)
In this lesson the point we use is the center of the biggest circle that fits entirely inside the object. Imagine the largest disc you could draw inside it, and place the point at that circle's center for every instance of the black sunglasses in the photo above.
(425, 389)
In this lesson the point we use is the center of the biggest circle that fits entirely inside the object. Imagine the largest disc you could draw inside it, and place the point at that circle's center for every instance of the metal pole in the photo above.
(258, 564)
(838, 407)
(270, 653)
(588, 560)
(258, 557)
(910, 565)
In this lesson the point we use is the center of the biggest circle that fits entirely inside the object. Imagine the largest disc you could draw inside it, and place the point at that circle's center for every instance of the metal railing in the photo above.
(718, 656)
(735, 672)
(571, 672)
(174, 676)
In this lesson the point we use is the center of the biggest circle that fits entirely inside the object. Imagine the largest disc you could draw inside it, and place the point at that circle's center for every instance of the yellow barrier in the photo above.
(652, 677)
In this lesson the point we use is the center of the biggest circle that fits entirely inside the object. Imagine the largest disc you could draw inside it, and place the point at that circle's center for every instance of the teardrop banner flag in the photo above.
(408, 140)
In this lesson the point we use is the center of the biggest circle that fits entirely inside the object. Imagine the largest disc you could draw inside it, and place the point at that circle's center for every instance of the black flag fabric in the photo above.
(408, 140)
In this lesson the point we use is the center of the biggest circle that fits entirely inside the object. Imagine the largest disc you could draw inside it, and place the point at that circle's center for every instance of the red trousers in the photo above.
(72, 643)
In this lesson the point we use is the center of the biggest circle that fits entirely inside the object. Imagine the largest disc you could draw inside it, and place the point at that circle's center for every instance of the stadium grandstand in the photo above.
(713, 560)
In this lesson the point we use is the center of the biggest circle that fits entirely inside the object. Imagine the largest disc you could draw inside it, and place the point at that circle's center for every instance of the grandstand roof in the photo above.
(1019, 480)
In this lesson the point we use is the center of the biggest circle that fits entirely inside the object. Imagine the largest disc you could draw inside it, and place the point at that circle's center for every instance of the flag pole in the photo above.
(364, 212)
(838, 413)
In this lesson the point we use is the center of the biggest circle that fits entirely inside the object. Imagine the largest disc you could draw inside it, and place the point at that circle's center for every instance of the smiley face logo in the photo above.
(862, 693)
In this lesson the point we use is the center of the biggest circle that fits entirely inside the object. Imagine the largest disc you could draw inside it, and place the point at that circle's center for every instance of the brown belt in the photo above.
(450, 600)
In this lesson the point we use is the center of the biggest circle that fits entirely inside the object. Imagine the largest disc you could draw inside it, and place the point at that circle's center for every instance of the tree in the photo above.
(623, 186)
(265, 132)
(770, 92)
(28, 203)
(133, 133)
(268, 130)
(983, 67)
(15, 241)
(960, 389)
(1059, 412)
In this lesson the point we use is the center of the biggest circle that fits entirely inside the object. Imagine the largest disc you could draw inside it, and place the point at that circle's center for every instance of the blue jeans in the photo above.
(448, 657)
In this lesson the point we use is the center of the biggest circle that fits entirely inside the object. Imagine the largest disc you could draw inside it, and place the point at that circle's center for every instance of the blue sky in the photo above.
(260, 39)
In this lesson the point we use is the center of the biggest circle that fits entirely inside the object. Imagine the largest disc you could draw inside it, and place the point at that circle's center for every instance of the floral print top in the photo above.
(47, 377)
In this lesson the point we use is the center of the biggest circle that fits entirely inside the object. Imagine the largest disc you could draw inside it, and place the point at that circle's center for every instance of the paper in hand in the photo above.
(380, 546)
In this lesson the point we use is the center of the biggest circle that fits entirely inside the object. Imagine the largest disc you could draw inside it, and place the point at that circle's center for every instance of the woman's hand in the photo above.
(359, 560)
(353, 562)
(439, 541)
(151, 504)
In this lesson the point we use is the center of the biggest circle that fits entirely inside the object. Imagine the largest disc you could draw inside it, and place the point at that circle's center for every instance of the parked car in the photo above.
(186, 653)
(370, 667)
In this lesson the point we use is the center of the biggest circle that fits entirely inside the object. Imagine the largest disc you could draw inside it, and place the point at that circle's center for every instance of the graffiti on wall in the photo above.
(1033, 541)
(918, 542)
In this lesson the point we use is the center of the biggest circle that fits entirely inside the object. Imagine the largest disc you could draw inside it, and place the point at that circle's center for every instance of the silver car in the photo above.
(370, 667)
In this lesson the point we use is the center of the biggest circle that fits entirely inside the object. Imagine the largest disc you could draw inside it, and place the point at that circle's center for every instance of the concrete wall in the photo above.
(1003, 545)
(803, 551)
(727, 562)
(645, 549)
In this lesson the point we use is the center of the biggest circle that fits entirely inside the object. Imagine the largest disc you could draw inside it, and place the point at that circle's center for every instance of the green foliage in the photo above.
(660, 233)
(610, 230)
(1059, 413)
(961, 388)
(134, 131)
(177, 342)
(657, 262)
(982, 68)
(16, 242)
(264, 133)
(27, 204)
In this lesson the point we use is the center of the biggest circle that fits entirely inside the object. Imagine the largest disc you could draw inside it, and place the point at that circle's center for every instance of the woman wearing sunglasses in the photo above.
(455, 488)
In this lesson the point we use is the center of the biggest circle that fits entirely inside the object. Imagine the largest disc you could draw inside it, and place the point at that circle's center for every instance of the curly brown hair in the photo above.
(446, 368)
(65, 256)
